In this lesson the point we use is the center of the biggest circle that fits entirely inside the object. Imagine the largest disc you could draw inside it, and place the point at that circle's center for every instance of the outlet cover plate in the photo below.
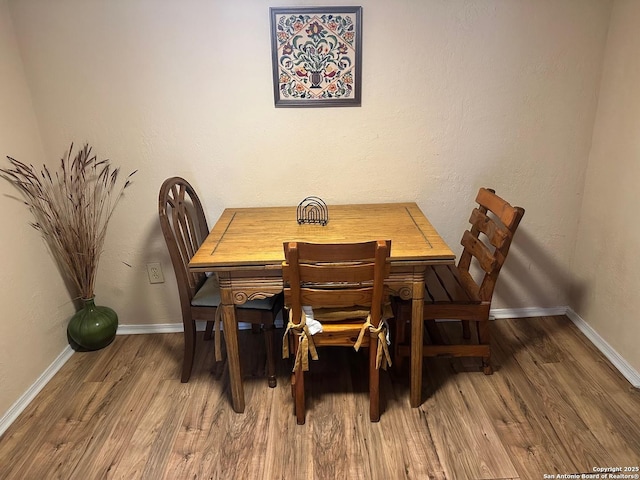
(154, 270)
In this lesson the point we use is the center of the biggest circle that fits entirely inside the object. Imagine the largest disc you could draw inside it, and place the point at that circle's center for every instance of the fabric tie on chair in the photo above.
(217, 320)
(305, 338)
(309, 326)
(382, 332)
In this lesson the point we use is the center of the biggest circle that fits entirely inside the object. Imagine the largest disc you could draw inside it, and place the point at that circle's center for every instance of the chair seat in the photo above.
(209, 296)
(340, 335)
(446, 284)
(342, 326)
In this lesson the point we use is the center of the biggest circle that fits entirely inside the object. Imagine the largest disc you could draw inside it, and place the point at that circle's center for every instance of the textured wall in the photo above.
(607, 260)
(35, 304)
(456, 95)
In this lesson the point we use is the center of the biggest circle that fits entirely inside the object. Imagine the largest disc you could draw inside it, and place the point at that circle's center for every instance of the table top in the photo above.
(253, 237)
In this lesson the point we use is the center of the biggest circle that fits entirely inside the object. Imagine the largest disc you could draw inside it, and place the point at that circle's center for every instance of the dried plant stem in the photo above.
(72, 209)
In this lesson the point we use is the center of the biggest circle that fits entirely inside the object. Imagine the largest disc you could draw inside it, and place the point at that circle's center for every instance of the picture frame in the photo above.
(316, 56)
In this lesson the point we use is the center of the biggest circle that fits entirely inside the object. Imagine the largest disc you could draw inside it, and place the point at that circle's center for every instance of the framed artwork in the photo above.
(316, 53)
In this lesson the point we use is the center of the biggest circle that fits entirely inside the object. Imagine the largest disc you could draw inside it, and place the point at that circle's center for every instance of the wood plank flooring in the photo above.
(553, 406)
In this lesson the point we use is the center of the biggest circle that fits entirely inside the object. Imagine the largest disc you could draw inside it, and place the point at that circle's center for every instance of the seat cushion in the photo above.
(339, 314)
(209, 296)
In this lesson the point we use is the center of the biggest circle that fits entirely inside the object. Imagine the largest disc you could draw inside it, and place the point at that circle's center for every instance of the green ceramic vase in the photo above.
(93, 327)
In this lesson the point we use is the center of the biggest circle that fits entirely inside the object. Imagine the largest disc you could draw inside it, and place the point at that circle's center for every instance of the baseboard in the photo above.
(526, 312)
(18, 407)
(165, 328)
(607, 350)
(594, 337)
(154, 328)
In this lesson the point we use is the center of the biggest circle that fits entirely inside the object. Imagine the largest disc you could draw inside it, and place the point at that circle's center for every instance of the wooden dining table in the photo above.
(245, 250)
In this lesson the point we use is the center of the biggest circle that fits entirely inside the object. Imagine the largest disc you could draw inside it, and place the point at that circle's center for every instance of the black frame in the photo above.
(354, 100)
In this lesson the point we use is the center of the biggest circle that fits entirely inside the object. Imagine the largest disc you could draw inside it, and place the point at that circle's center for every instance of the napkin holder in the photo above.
(312, 210)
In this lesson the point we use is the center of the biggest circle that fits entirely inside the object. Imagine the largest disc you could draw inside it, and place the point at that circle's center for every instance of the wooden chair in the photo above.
(184, 227)
(451, 292)
(344, 285)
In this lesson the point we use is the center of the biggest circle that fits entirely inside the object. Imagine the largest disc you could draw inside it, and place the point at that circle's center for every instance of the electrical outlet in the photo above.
(154, 270)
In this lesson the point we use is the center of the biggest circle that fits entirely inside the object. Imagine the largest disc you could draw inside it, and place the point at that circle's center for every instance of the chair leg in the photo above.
(485, 339)
(434, 332)
(189, 350)
(400, 337)
(299, 401)
(374, 380)
(208, 331)
(293, 388)
(466, 331)
(297, 383)
(271, 361)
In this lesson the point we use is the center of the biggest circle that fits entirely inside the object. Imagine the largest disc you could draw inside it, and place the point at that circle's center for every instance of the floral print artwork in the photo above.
(315, 56)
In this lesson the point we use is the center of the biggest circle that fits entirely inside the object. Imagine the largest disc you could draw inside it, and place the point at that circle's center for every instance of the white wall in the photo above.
(35, 303)
(456, 95)
(607, 259)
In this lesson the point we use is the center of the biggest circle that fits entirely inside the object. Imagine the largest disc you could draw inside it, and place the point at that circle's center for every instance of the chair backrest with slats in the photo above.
(336, 275)
(487, 242)
(184, 227)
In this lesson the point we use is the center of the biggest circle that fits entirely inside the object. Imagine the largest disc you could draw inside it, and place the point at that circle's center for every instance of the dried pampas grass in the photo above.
(72, 208)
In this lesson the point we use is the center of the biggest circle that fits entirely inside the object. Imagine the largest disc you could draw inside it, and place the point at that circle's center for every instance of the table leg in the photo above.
(233, 356)
(417, 308)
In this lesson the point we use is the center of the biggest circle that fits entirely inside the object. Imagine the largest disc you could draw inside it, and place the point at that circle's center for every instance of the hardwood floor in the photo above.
(554, 406)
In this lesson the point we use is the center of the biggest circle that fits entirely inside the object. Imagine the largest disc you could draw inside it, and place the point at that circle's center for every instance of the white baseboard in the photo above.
(165, 328)
(526, 312)
(607, 350)
(594, 337)
(18, 407)
(154, 328)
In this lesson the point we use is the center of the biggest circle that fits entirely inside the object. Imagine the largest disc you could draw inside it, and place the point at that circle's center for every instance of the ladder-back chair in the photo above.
(343, 284)
(451, 292)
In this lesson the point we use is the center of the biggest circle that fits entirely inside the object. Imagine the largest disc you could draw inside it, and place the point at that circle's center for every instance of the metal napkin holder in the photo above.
(313, 210)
